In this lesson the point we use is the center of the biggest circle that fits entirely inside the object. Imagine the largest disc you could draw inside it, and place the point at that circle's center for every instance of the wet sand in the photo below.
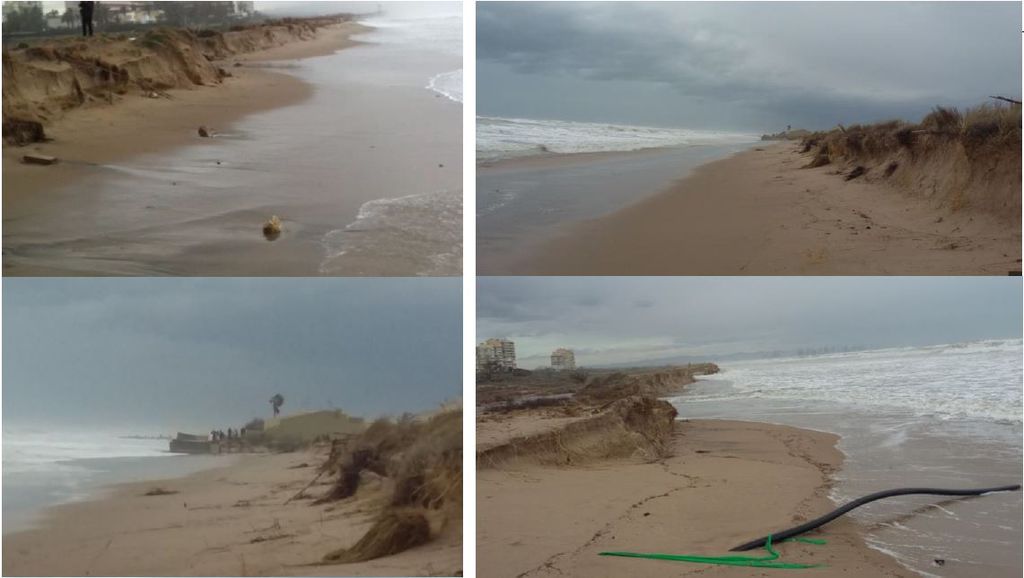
(229, 521)
(524, 203)
(759, 213)
(133, 199)
(134, 125)
(726, 482)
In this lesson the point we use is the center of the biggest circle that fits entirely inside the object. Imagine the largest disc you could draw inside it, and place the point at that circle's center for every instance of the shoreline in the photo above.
(104, 476)
(888, 447)
(556, 160)
(103, 134)
(224, 521)
(756, 212)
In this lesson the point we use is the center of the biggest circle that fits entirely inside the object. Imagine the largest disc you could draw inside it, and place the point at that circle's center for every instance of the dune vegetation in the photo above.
(961, 160)
(421, 459)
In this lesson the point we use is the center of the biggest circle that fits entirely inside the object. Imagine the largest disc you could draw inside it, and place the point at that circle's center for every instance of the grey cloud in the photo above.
(709, 316)
(696, 63)
(179, 352)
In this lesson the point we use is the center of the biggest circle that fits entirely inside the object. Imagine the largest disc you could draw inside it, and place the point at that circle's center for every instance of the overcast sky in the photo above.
(743, 65)
(612, 320)
(328, 7)
(192, 354)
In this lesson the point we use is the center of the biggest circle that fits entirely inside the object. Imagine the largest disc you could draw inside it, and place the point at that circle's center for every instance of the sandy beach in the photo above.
(305, 131)
(725, 482)
(102, 133)
(758, 212)
(228, 521)
(613, 469)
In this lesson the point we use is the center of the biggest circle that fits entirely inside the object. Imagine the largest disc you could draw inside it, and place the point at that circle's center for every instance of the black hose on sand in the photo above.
(796, 531)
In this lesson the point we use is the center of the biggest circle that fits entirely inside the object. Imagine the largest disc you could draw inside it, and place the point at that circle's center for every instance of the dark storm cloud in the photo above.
(812, 63)
(616, 320)
(170, 353)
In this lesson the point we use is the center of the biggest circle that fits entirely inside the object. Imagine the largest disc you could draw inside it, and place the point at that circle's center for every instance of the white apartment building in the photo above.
(496, 354)
(563, 360)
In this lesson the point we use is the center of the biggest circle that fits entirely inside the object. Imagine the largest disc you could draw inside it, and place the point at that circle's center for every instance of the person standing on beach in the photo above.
(86, 8)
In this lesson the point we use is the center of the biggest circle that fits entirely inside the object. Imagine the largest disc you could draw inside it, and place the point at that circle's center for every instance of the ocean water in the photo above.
(419, 232)
(506, 138)
(938, 416)
(42, 469)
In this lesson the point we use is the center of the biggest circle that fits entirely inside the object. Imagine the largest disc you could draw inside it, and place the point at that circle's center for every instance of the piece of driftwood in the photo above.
(37, 159)
(309, 485)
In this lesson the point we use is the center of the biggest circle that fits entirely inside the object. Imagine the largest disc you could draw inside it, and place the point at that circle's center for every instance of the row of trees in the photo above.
(24, 18)
(29, 18)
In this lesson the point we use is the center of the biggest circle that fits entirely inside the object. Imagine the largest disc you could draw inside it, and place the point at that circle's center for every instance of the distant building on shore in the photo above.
(495, 355)
(563, 359)
(244, 9)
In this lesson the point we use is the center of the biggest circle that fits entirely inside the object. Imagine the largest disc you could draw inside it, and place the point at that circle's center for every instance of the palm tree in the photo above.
(276, 402)
(70, 18)
(102, 14)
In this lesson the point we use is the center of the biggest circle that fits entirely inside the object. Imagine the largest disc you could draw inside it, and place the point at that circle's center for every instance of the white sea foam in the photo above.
(501, 138)
(977, 380)
(448, 84)
(436, 27)
(420, 232)
(27, 451)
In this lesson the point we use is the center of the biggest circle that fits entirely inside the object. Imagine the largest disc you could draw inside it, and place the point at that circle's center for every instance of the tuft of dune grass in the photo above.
(423, 460)
(991, 128)
(394, 531)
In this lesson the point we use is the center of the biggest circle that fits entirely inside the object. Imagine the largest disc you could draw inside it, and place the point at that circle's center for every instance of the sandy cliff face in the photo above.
(43, 81)
(656, 383)
(634, 426)
(615, 415)
(957, 161)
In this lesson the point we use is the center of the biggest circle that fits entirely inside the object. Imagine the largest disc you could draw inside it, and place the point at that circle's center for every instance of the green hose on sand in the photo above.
(769, 561)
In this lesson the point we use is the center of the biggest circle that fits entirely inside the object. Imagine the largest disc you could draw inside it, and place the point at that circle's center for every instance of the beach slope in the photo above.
(761, 212)
(723, 483)
(231, 521)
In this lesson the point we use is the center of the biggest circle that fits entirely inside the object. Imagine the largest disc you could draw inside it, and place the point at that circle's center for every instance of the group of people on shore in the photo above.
(232, 434)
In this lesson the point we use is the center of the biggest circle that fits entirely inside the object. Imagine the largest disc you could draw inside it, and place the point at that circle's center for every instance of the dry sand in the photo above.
(726, 482)
(759, 213)
(134, 125)
(230, 521)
